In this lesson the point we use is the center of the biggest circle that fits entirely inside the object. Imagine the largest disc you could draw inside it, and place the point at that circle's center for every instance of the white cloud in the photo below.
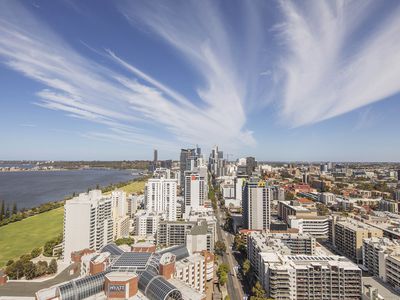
(330, 68)
(85, 89)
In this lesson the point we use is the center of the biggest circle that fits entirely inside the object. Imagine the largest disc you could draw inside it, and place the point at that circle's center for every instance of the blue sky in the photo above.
(280, 80)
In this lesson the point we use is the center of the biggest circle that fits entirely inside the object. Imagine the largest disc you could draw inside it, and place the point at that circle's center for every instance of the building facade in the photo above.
(256, 205)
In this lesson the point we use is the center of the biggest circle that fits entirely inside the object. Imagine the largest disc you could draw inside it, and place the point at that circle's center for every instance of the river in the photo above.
(31, 188)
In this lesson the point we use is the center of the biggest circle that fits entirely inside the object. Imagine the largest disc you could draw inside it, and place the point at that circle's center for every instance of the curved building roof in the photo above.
(179, 251)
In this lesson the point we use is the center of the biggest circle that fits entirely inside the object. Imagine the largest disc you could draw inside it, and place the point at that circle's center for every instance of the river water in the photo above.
(32, 188)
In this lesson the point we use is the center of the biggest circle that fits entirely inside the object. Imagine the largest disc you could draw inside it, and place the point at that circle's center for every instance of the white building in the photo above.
(317, 226)
(256, 206)
(381, 257)
(146, 223)
(302, 277)
(327, 198)
(192, 271)
(161, 196)
(88, 223)
(120, 204)
(195, 191)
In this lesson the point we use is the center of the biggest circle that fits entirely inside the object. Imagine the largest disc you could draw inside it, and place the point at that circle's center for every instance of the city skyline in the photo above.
(278, 80)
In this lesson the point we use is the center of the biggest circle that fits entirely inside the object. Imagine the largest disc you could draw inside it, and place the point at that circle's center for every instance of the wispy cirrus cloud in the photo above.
(323, 62)
(338, 57)
(85, 89)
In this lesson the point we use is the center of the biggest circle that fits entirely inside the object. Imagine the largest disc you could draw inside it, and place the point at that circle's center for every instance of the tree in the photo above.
(257, 291)
(289, 196)
(125, 241)
(220, 248)
(36, 252)
(10, 262)
(14, 209)
(49, 246)
(41, 268)
(222, 273)
(2, 210)
(29, 270)
(246, 266)
(52, 269)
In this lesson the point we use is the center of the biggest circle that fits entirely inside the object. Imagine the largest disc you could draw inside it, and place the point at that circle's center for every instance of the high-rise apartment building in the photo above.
(88, 223)
(256, 205)
(288, 267)
(160, 196)
(381, 257)
(347, 236)
(195, 191)
(188, 160)
(120, 203)
(302, 277)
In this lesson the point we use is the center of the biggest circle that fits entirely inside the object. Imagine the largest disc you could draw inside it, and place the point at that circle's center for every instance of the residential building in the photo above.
(256, 205)
(327, 198)
(88, 223)
(188, 160)
(161, 196)
(381, 259)
(303, 277)
(347, 236)
(195, 191)
(197, 235)
(317, 226)
(192, 271)
(286, 243)
(146, 223)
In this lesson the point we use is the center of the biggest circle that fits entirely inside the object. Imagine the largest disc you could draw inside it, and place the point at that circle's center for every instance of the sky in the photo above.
(278, 80)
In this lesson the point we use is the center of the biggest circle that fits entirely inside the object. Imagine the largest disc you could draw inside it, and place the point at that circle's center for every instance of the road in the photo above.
(234, 286)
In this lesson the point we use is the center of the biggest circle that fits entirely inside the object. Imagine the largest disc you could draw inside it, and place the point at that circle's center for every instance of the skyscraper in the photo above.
(194, 191)
(188, 160)
(88, 223)
(160, 196)
(155, 156)
(256, 205)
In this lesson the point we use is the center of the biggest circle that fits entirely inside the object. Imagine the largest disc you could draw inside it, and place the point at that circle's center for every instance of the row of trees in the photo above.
(125, 241)
(24, 267)
(6, 212)
(8, 215)
(222, 273)
(49, 245)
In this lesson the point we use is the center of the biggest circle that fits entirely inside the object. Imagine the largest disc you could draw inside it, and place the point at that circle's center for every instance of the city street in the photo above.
(234, 286)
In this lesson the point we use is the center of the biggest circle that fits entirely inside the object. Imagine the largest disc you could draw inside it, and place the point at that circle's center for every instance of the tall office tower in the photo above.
(160, 195)
(188, 161)
(194, 191)
(305, 178)
(88, 223)
(398, 175)
(216, 162)
(120, 204)
(155, 156)
(323, 167)
(251, 165)
(256, 205)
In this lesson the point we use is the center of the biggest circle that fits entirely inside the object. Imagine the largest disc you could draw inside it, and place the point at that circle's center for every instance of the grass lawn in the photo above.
(21, 237)
(133, 187)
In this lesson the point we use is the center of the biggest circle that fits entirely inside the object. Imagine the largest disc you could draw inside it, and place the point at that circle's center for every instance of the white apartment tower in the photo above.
(256, 205)
(88, 223)
(195, 189)
(161, 194)
(120, 203)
